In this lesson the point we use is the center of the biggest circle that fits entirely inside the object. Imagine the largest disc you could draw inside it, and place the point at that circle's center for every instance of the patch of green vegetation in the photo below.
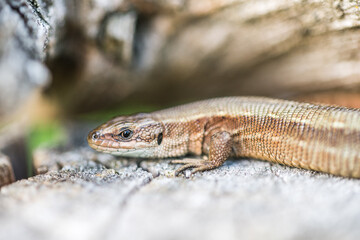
(44, 135)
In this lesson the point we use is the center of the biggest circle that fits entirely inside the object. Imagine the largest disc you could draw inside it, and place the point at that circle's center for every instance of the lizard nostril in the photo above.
(95, 136)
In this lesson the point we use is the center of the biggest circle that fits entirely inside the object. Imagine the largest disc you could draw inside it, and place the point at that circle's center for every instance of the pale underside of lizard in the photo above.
(317, 137)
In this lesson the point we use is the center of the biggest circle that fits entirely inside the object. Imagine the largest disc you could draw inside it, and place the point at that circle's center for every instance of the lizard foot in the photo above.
(198, 165)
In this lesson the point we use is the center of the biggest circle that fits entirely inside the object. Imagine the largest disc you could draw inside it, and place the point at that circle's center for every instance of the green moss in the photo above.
(44, 135)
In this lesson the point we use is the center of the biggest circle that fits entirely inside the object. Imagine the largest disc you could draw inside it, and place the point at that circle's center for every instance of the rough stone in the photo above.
(95, 196)
(6, 171)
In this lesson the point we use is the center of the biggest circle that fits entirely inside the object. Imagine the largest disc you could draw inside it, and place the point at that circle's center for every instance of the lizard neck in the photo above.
(182, 137)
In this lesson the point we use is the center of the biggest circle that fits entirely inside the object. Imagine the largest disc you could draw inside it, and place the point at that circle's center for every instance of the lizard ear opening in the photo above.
(159, 138)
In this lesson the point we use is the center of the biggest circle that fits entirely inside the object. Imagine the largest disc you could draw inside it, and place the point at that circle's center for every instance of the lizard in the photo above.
(317, 137)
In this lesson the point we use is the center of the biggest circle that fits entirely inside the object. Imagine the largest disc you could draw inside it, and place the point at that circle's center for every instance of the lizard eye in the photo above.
(125, 134)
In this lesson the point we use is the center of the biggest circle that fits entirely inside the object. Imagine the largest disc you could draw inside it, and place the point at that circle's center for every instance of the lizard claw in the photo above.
(183, 168)
(199, 165)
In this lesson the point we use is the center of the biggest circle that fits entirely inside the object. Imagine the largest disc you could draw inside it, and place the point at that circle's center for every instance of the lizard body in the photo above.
(317, 137)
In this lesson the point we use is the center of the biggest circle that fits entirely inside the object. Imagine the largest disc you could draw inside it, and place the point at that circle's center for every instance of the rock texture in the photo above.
(24, 34)
(85, 195)
(6, 171)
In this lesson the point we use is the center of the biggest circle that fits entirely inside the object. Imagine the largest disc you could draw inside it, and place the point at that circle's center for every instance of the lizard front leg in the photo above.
(220, 149)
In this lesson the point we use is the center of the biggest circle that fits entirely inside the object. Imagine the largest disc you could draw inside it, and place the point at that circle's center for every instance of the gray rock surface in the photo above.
(87, 195)
(6, 171)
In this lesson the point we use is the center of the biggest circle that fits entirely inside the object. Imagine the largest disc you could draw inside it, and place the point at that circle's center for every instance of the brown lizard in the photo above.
(317, 137)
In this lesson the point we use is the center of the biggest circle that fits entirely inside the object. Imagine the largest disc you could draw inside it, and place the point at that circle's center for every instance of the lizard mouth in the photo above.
(104, 147)
(102, 142)
(106, 143)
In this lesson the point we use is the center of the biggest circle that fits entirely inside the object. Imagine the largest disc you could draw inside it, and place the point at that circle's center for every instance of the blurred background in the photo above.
(67, 65)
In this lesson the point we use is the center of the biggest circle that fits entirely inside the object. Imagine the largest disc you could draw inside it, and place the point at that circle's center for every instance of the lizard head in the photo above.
(129, 136)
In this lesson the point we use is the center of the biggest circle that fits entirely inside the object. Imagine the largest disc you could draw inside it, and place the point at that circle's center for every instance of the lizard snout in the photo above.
(93, 136)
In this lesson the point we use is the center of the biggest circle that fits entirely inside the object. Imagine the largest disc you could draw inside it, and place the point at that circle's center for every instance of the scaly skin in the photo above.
(317, 137)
